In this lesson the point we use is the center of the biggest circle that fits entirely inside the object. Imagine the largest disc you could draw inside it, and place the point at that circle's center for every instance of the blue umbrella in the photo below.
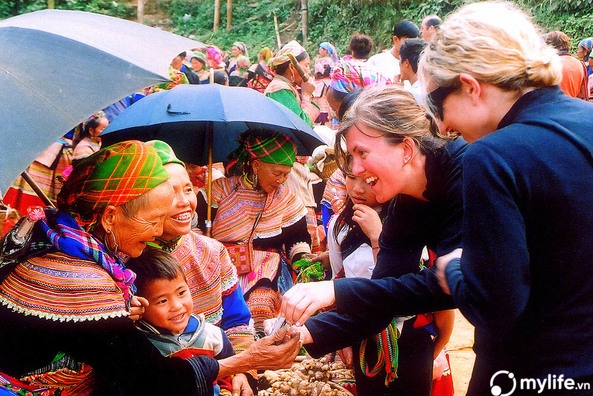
(58, 67)
(202, 123)
(187, 115)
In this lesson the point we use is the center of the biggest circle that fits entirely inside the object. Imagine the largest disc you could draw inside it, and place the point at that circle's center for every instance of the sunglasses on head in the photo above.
(437, 97)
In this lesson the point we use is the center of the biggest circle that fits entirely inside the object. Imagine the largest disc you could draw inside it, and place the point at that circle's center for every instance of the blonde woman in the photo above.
(524, 277)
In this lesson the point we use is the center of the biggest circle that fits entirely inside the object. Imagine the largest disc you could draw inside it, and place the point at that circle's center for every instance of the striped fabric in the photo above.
(62, 288)
(236, 214)
(347, 76)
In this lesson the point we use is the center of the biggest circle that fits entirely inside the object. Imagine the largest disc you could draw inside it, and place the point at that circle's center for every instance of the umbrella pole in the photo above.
(209, 192)
(25, 175)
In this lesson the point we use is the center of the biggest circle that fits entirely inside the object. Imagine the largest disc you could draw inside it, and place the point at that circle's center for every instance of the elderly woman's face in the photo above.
(178, 221)
(270, 176)
(132, 233)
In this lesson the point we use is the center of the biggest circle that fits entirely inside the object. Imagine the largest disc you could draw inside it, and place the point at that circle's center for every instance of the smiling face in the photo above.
(178, 221)
(378, 162)
(170, 303)
(270, 176)
(132, 232)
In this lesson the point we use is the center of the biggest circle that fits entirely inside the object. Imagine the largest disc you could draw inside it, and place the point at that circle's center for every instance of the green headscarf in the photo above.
(112, 176)
(267, 146)
(165, 152)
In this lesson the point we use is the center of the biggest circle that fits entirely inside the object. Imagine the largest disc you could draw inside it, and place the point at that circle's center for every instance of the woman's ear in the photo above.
(108, 217)
(470, 86)
(409, 150)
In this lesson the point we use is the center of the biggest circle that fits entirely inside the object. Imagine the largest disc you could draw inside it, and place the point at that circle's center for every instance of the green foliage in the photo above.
(308, 271)
(329, 20)
(108, 7)
(252, 23)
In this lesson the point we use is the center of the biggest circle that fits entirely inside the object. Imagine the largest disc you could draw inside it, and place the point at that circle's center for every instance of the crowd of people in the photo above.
(460, 162)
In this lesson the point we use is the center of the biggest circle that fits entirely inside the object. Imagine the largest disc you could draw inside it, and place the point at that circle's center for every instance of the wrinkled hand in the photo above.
(241, 386)
(441, 264)
(137, 307)
(304, 299)
(369, 221)
(276, 351)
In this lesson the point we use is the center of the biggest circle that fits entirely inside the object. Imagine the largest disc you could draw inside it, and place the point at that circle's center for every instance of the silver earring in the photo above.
(255, 180)
(109, 232)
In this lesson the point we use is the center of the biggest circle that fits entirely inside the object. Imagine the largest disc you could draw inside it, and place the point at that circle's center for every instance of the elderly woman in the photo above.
(526, 218)
(210, 275)
(287, 80)
(256, 212)
(67, 300)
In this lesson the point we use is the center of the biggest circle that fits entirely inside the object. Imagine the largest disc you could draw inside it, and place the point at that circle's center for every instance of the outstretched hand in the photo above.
(304, 299)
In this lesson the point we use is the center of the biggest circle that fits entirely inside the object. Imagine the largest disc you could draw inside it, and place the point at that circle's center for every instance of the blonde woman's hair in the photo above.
(393, 112)
(494, 42)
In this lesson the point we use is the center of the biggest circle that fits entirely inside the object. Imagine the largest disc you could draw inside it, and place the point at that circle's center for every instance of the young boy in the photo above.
(168, 321)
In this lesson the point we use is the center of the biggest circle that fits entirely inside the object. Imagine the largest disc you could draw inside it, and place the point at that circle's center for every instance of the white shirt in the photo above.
(386, 64)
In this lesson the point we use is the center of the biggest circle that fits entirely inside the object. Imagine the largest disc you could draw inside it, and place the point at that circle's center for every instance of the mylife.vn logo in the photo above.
(504, 383)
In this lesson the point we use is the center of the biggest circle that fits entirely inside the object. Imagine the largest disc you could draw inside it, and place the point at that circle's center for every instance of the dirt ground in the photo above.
(461, 354)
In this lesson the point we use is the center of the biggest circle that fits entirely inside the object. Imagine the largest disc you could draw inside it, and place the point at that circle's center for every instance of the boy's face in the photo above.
(170, 304)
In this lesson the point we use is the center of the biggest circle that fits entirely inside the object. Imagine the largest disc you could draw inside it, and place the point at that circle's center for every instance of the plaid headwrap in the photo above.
(165, 152)
(112, 176)
(275, 148)
(292, 47)
(347, 76)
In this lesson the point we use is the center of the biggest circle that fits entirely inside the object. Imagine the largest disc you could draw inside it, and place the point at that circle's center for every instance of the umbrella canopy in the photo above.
(59, 67)
(183, 115)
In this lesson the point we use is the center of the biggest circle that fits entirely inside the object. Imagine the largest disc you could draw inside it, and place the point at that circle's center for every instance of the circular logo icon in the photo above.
(496, 390)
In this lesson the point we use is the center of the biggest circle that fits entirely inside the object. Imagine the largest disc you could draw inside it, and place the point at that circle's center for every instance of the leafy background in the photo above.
(328, 20)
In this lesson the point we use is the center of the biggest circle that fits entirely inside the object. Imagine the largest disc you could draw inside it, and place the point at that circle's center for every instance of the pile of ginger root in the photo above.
(311, 377)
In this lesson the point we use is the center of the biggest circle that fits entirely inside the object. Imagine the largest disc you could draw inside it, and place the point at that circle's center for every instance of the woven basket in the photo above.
(329, 166)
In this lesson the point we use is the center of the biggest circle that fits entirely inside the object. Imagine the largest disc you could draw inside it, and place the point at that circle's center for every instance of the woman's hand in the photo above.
(441, 264)
(369, 221)
(304, 299)
(241, 386)
(137, 307)
(323, 258)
